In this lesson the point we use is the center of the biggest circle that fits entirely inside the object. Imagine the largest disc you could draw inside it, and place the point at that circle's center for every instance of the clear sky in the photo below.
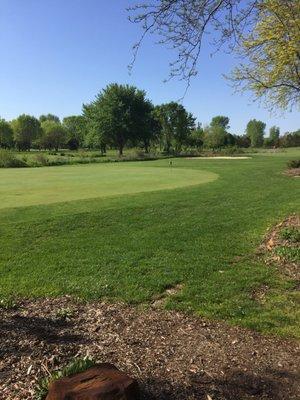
(58, 54)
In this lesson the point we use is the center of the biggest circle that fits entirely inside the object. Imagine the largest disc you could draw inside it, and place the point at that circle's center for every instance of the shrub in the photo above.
(293, 164)
(41, 159)
(9, 160)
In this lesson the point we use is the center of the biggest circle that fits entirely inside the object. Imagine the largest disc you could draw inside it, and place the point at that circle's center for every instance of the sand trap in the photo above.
(218, 158)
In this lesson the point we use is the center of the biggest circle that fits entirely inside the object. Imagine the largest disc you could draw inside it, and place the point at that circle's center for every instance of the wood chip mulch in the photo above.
(294, 172)
(273, 240)
(173, 356)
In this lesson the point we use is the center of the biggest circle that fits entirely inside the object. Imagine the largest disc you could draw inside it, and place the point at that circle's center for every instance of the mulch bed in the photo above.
(273, 240)
(295, 172)
(174, 356)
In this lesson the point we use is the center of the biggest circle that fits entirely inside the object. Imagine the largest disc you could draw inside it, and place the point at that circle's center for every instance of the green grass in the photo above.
(132, 247)
(32, 186)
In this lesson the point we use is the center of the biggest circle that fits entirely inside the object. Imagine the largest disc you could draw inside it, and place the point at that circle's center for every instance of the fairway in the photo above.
(128, 231)
(32, 186)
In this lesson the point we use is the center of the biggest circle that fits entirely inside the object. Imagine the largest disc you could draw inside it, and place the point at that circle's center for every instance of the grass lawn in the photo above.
(117, 233)
(32, 186)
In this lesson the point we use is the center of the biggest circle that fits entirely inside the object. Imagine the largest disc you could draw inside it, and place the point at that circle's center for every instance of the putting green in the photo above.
(32, 186)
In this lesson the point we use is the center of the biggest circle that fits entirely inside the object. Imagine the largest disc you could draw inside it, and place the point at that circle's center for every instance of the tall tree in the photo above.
(6, 134)
(274, 135)
(118, 114)
(49, 117)
(272, 51)
(75, 126)
(176, 125)
(220, 120)
(216, 135)
(54, 135)
(26, 129)
(265, 33)
(255, 131)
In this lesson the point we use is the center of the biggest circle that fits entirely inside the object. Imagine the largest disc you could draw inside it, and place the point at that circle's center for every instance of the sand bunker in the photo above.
(219, 158)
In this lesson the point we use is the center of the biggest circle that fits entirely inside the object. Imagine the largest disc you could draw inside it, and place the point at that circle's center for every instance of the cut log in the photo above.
(102, 382)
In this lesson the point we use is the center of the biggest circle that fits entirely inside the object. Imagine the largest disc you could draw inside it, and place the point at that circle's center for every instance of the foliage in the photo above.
(274, 134)
(242, 141)
(289, 254)
(75, 367)
(291, 139)
(49, 117)
(41, 159)
(265, 34)
(53, 136)
(294, 164)
(176, 126)
(220, 120)
(9, 160)
(215, 137)
(26, 129)
(196, 137)
(119, 114)
(6, 134)
(65, 313)
(75, 126)
(272, 51)
(255, 132)
(292, 234)
(273, 139)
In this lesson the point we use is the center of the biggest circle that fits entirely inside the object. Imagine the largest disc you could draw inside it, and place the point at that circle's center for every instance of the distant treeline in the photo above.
(121, 116)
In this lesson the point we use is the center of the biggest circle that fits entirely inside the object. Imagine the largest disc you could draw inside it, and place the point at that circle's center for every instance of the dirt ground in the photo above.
(172, 355)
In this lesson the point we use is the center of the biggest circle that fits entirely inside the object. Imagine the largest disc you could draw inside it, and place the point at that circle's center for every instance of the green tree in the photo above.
(75, 126)
(54, 135)
(26, 129)
(176, 125)
(264, 33)
(196, 138)
(274, 133)
(290, 139)
(6, 134)
(255, 131)
(215, 136)
(272, 51)
(220, 120)
(49, 117)
(118, 115)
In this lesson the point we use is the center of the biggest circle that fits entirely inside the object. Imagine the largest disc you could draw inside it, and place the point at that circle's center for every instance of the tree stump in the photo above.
(102, 382)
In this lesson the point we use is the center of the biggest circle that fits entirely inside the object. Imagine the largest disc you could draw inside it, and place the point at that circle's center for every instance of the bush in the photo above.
(294, 164)
(9, 160)
(41, 159)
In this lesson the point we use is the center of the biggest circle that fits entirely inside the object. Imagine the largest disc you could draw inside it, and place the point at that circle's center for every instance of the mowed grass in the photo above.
(32, 186)
(131, 247)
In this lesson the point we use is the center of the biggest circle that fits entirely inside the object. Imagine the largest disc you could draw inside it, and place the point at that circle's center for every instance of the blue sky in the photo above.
(57, 54)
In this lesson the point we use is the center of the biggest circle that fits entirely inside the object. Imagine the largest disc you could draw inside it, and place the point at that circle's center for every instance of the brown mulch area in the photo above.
(273, 240)
(173, 356)
(295, 172)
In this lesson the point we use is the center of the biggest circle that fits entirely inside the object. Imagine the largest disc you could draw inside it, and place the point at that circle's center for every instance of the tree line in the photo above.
(122, 116)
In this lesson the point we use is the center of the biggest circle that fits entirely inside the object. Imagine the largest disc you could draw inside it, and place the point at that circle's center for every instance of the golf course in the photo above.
(130, 231)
